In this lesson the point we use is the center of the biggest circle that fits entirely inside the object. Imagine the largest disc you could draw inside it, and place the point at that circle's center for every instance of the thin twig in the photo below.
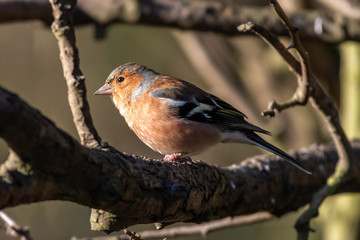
(200, 229)
(132, 235)
(13, 229)
(302, 92)
(63, 30)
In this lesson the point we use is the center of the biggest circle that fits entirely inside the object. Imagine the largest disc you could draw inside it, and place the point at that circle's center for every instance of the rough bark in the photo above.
(220, 16)
(54, 166)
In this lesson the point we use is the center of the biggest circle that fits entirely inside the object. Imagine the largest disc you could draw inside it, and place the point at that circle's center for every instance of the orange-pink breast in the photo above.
(164, 133)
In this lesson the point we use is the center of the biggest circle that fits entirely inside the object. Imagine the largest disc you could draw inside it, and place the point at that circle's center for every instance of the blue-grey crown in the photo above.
(135, 68)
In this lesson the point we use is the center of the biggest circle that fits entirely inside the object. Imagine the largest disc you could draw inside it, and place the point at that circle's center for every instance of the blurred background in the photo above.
(242, 70)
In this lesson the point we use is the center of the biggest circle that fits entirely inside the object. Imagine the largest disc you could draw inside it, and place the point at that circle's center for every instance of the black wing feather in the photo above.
(212, 110)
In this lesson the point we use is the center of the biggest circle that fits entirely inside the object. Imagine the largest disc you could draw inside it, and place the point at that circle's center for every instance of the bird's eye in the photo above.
(120, 79)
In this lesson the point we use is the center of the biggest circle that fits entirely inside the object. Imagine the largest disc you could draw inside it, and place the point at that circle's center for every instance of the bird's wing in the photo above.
(197, 105)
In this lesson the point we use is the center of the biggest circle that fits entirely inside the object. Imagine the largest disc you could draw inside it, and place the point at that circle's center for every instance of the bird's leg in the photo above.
(176, 157)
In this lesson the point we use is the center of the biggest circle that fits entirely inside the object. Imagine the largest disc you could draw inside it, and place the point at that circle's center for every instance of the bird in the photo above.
(176, 118)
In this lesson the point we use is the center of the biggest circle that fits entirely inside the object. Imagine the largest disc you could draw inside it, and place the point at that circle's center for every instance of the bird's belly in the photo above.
(177, 136)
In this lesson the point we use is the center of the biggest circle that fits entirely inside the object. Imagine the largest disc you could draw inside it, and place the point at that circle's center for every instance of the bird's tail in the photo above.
(257, 140)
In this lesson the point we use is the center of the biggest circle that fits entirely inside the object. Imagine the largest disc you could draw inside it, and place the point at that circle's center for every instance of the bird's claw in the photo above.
(176, 157)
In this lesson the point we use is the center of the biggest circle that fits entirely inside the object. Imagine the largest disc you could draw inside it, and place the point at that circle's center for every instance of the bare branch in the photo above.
(298, 98)
(132, 235)
(302, 93)
(13, 229)
(63, 30)
(222, 17)
(320, 101)
(199, 229)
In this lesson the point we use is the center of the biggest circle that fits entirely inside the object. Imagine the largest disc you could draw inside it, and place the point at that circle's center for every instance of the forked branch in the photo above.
(308, 87)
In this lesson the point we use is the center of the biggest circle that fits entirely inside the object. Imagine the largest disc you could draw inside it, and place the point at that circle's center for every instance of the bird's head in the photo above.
(127, 82)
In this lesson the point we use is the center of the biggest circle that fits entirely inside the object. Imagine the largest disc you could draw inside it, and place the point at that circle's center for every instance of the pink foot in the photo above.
(176, 157)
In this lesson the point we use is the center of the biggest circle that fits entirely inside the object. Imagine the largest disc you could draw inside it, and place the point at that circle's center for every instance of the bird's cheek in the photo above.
(116, 100)
(120, 104)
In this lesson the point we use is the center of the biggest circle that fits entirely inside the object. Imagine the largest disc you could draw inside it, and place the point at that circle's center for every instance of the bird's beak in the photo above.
(104, 90)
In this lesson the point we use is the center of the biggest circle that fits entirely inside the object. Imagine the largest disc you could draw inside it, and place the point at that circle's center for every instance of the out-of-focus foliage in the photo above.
(340, 214)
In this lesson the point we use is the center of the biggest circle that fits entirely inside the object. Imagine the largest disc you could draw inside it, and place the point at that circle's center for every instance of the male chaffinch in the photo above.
(175, 117)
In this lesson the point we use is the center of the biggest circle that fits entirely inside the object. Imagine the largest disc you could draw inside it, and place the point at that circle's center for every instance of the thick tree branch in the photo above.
(221, 17)
(52, 162)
